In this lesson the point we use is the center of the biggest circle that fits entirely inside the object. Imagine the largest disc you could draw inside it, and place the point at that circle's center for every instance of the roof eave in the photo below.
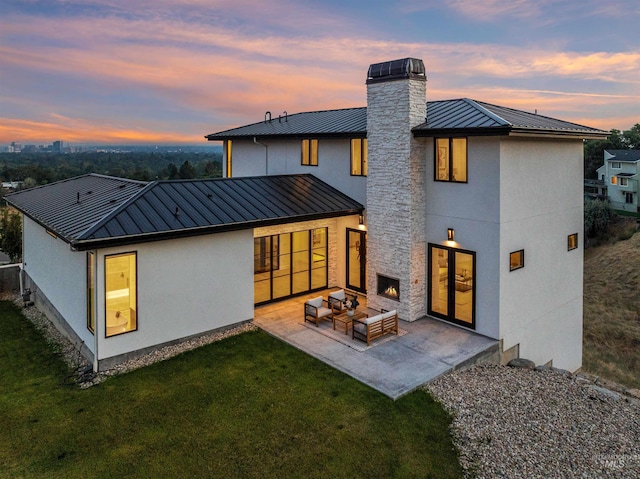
(423, 132)
(89, 244)
(46, 227)
(289, 136)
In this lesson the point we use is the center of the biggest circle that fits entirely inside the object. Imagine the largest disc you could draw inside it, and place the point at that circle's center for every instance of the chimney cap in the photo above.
(396, 70)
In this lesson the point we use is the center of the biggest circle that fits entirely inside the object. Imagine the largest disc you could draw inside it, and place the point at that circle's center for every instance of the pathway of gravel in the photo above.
(523, 423)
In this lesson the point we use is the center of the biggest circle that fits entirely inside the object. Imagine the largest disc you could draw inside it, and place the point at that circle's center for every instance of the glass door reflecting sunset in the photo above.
(452, 275)
(357, 260)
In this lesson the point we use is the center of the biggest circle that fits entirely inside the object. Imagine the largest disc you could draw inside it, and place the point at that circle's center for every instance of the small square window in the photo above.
(572, 241)
(616, 165)
(516, 260)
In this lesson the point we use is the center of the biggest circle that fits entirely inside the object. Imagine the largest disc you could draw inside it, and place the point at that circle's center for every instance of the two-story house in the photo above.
(620, 173)
(430, 208)
(457, 195)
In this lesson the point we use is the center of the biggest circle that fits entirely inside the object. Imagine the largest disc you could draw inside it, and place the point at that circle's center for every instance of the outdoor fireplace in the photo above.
(389, 287)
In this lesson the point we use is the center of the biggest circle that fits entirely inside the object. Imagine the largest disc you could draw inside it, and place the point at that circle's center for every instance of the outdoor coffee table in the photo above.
(344, 318)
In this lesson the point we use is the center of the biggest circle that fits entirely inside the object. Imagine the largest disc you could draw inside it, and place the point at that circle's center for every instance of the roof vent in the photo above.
(396, 70)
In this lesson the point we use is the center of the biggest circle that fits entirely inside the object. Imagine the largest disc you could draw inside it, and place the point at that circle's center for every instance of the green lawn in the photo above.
(247, 406)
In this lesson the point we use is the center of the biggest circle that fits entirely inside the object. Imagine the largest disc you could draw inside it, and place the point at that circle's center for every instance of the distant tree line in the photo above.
(36, 169)
(617, 140)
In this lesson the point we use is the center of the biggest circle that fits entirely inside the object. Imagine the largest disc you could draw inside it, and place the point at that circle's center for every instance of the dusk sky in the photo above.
(172, 71)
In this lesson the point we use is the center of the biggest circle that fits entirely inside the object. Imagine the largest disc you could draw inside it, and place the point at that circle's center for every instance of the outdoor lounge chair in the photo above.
(315, 312)
(336, 301)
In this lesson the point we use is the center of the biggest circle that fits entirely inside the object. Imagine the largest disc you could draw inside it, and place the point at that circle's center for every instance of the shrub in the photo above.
(597, 217)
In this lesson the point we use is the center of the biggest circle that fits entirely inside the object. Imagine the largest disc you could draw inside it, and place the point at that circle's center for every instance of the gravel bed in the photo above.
(543, 423)
(82, 370)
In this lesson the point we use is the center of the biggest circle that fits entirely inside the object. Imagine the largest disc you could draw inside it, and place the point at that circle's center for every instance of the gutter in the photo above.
(266, 155)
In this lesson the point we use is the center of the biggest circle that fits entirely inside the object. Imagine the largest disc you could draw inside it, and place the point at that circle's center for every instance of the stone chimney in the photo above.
(396, 219)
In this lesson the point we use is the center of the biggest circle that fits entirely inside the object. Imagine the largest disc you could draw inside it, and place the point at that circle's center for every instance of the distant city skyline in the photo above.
(172, 71)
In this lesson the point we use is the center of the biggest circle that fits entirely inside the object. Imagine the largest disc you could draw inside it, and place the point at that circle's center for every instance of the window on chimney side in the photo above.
(359, 157)
(451, 160)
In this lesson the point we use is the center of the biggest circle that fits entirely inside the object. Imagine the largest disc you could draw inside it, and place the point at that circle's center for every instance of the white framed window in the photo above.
(624, 181)
(616, 165)
(614, 180)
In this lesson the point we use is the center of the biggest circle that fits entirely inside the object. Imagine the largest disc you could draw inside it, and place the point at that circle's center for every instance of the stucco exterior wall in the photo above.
(472, 209)
(541, 204)
(334, 163)
(60, 275)
(185, 287)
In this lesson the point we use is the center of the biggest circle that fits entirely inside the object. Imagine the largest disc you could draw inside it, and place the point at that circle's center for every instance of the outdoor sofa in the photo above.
(368, 329)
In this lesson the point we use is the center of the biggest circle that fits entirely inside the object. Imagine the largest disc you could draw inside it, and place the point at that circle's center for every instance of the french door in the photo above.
(357, 260)
(452, 286)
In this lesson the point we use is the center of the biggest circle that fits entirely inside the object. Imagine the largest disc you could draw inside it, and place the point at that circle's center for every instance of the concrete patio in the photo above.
(393, 365)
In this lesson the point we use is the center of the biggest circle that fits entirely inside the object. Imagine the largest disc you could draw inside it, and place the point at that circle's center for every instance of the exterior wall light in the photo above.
(450, 234)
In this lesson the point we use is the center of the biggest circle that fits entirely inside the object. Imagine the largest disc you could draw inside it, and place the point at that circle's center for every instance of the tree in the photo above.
(632, 137)
(172, 171)
(597, 216)
(187, 171)
(11, 235)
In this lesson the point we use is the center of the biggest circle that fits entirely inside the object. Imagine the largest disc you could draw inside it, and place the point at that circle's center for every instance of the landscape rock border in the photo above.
(82, 370)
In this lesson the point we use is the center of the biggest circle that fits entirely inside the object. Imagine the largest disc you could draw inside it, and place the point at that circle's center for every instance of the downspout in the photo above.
(266, 154)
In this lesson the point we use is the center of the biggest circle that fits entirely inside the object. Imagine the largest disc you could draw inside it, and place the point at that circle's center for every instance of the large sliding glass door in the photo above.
(452, 288)
(289, 264)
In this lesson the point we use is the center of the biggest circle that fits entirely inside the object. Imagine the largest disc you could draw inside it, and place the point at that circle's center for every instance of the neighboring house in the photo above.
(457, 194)
(11, 185)
(620, 174)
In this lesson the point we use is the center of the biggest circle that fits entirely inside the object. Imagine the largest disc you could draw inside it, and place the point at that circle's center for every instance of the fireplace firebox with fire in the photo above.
(389, 287)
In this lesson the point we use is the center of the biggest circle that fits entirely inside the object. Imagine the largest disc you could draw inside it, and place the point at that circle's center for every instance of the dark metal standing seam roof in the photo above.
(351, 122)
(462, 116)
(68, 208)
(471, 117)
(180, 208)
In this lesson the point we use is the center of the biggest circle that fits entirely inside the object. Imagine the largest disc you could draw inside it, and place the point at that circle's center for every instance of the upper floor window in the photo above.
(616, 165)
(572, 241)
(359, 157)
(624, 181)
(309, 153)
(614, 180)
(228, 153)
(451, 160)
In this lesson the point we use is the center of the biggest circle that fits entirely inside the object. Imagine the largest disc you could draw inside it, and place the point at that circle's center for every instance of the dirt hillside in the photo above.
(612, 311)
